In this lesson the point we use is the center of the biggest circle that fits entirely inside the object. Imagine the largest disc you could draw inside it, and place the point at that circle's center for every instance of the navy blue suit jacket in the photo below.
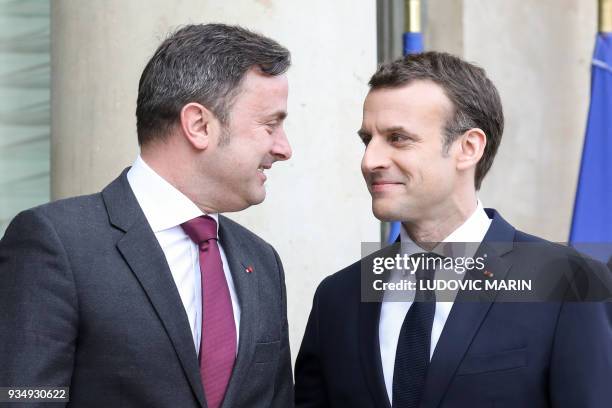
(490, 354)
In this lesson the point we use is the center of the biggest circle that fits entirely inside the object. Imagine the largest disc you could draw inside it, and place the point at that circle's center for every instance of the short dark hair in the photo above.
(202, 63)
(475, 99)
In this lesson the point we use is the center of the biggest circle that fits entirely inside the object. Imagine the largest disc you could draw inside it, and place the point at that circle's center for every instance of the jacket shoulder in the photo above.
(73, 205)
(63, 218)
(547, 248)
(66, 212)
(343, 283)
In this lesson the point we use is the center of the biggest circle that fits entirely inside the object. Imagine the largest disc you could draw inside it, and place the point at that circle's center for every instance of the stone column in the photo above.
(538, 53)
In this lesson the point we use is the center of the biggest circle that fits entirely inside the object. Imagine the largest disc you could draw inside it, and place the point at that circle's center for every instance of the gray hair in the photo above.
(202, 63)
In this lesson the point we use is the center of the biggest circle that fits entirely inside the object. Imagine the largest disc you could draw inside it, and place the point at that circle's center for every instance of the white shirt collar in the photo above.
(473, 229)
(162, 204)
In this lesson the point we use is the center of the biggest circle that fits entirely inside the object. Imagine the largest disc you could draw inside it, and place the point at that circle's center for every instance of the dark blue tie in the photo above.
(413, 346)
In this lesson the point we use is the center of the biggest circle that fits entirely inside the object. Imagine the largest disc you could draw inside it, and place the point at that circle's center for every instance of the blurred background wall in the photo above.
(318, 210)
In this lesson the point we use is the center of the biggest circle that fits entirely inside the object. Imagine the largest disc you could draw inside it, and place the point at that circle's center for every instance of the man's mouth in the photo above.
(261, 170)
(264, 167)
(384, 185)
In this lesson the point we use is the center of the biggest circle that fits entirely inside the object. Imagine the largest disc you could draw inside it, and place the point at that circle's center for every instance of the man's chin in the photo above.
(244, 202)
(384, 213)
(258, 197)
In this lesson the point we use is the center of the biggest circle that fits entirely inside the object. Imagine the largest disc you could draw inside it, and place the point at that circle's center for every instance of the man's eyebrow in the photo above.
(403, 130)
(278, 115)
(365, 134)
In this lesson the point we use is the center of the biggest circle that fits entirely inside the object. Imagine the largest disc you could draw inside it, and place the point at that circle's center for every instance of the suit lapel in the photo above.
(239, 259)
(369, 319)
(146, 259)
(369, 352)
(467, 313)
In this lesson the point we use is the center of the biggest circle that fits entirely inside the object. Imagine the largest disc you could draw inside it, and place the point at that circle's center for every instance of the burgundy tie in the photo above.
(218, 344)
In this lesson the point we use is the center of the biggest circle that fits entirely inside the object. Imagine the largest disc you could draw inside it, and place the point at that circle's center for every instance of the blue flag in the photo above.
(592, 220)
(413, 43)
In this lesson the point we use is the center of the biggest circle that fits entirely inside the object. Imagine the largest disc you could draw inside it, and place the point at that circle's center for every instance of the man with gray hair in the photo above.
(144, 295)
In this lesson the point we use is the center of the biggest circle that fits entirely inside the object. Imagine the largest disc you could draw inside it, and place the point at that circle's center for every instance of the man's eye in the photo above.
(366, 140)
(270, 127)
(395, 137)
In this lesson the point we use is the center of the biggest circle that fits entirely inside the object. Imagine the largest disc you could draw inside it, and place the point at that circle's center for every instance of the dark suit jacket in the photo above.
(490, 354)
(87, 301)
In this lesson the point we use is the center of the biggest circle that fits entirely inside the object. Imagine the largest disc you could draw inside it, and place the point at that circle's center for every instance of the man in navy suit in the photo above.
(432, 125)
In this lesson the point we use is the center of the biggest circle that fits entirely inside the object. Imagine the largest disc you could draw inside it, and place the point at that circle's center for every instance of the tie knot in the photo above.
(200, 229)
(427, 263)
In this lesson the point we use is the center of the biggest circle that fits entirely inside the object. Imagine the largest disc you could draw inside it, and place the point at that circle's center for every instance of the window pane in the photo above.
(24, 106)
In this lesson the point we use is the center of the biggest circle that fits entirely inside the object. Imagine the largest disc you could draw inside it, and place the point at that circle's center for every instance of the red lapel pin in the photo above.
(488, 274)
(249, 269)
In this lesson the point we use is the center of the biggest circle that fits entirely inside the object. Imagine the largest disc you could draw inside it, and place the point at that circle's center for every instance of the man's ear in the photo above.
(199, 126)
(471, 148)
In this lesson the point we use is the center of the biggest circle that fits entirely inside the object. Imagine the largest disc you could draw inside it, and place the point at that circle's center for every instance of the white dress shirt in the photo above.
(166, 209)
(392, 313)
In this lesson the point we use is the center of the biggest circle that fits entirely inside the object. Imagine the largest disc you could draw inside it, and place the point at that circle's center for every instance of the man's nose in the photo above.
(281, 149)
(375, 157)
